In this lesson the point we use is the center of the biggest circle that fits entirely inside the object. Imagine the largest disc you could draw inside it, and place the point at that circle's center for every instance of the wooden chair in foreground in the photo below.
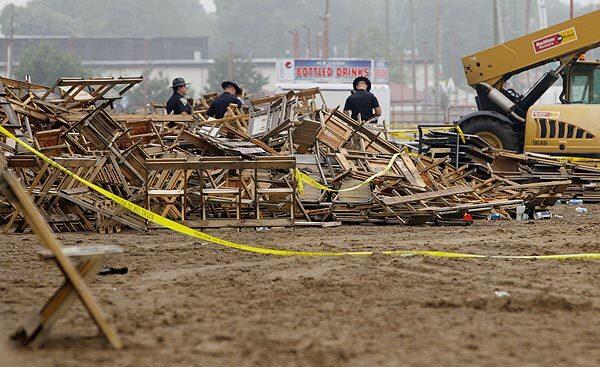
(35, 331)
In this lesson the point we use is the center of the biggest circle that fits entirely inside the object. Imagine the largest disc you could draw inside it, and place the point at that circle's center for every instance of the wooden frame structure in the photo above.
(72, 91)
(208, 184)
(35, 331)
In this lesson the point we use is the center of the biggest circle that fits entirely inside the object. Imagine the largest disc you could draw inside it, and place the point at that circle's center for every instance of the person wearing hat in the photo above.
(362, 104)
(178, 104)
(219, 105)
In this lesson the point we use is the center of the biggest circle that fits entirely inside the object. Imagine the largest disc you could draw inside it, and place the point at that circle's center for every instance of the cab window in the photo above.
(596, 87)
(585, 86)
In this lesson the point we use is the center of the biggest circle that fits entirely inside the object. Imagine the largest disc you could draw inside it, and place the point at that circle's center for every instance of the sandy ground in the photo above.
(187, 303)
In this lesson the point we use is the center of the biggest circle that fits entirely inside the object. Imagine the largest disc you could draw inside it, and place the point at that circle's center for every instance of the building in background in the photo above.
(186, 57)
(123, 56)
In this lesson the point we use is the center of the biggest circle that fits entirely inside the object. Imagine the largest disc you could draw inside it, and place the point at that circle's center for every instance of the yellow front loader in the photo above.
(510, 120)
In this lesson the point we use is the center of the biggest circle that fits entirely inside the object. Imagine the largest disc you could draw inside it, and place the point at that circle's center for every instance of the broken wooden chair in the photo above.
(166, 187)
(273, 189)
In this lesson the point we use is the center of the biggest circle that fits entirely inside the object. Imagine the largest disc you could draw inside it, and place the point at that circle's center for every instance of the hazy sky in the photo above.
(208, 4)
(16, 2)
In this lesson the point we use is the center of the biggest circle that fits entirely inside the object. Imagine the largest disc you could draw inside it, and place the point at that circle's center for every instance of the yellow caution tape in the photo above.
(180, 228)
(577, 159)
(302, 178)
(411, 133)
(412, 154)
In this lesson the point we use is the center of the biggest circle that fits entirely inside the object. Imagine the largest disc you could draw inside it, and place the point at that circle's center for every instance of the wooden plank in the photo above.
(395, 200)
(535, 185)
(299, 223)
(233, 223)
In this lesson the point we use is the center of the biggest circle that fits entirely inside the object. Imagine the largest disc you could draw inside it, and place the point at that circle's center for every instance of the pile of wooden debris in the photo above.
(519, 169)
(238, 171)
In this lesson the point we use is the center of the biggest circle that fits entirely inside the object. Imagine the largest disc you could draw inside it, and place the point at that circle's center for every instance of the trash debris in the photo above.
(502, 294)
(520, 212)
(495, 216)
(581, 210)
(109, 270)
(542, 215)
(467, 217)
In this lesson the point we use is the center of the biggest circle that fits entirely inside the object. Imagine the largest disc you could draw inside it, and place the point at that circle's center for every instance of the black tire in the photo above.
(485, 126)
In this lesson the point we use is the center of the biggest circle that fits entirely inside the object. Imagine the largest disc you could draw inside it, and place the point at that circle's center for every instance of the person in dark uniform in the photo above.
(219, 105)
(178, 104)
(362, 103)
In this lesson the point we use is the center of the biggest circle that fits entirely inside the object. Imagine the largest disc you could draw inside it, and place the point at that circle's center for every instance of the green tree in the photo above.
(154, 88)
(45, 64)
(242, 71)
(369, 43)
(366, 48)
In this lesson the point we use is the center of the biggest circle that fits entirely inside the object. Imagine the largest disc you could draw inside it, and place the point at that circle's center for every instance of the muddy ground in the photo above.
(189, 303)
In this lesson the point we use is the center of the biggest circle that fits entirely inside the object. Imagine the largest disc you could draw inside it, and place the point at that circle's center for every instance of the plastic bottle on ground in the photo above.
(519, 213)
(542, 215)
(494, 216)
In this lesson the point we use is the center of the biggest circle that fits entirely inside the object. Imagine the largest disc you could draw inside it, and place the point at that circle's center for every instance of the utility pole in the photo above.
(295, 43)
(11, 36)
(514, 33)
(438, 52)
(318, 45)
(542, 14)
(230, 60)
(349, 32)
(527, 16)
(495, 21)
(402, 79)
(571, 9)
(498, 30)
(387, 29)
(425, 60)
(308, 50)
(413, 41)
(326, 18)
(526, 31)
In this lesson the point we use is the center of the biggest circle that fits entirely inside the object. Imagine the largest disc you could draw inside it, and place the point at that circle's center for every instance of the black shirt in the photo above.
(178, 104)
(361, 102)
(218, 107)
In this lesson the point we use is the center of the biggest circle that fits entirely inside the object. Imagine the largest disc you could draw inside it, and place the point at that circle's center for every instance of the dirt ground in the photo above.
(188, 303)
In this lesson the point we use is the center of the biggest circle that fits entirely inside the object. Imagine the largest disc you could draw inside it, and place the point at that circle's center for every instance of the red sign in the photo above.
(314, 72)
(353, 72)
(553, 40)
(328, 72)
(331, 71)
